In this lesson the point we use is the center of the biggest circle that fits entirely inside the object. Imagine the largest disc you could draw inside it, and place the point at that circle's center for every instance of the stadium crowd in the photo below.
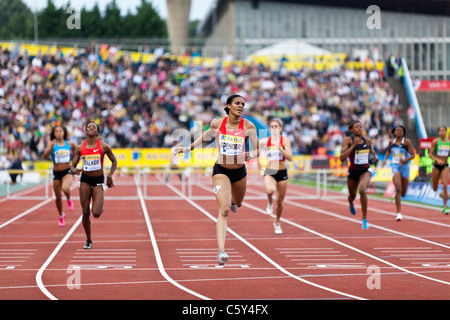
(140, 105)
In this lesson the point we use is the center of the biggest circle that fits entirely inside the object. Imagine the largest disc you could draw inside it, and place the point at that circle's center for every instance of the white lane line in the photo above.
(156, 249)
(23, 214)
(41, 270)
(394, 214)
(359, 222)
(39, 282)
(264, 256)
(351, 247)
(372, 208)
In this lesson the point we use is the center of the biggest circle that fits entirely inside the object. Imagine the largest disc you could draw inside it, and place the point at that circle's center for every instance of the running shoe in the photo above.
(399, 217)
(277, 228)
(61, 220)
(365, 224)
(269, 208)
(70, 204)
(88, 244)
(352, 210)
(445, 210)
(233, 207)
(222, 258)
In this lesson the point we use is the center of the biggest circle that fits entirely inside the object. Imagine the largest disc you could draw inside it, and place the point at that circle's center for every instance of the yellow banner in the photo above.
(140, 158)
(161, 157)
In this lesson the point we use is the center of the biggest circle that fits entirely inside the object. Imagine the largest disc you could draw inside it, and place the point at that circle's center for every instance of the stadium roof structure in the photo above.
(438, 7)
(433, 7)
(291, 47)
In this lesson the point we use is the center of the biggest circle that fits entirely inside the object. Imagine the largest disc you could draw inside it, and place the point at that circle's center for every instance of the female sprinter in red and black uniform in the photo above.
(358, 149)
(92, 152)
(276, 175)
(229, 173)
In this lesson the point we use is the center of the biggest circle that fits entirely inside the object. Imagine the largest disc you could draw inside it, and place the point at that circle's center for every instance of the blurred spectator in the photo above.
(411, 115)
(16, 165)
(141, 104)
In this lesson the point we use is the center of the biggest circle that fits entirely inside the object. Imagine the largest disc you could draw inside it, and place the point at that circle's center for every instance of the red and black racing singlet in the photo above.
(359, 158)
(92, 158)
(231, 142)
(274, 154)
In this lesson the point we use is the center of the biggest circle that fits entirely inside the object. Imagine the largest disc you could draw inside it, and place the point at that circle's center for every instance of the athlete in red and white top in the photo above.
(278, 148)
(229, 172)
(91, 152)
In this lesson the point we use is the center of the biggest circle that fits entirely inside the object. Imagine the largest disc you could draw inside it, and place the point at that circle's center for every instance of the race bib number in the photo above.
(397, 157)
(273, 154)
(362, 156)
(91, 162)
(231, 145)
(443, 150)
(62, 156)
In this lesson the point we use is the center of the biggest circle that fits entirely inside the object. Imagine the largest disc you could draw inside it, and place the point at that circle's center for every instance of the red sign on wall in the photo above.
(425, 143)
(432, 85)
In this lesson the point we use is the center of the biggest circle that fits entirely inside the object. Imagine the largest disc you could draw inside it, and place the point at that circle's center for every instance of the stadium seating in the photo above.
(139, 100)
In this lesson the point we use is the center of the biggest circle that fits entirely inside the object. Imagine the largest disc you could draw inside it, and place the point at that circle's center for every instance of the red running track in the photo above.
(166, 249)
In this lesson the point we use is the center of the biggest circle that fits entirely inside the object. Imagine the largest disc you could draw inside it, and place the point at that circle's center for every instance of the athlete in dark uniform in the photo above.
(358, 149)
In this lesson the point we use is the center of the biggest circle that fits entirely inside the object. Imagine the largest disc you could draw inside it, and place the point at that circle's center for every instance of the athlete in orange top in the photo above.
(92, 180)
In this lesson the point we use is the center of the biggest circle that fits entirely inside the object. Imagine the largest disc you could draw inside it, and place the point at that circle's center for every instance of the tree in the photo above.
(52, 21)
(112, 21)
(16, 20)
(91, 22)
(148, 23)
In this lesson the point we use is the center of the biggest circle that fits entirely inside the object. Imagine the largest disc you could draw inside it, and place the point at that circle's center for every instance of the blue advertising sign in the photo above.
(422, 192)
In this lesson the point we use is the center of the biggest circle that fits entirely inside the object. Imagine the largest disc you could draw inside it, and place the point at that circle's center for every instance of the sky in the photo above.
(199, 8)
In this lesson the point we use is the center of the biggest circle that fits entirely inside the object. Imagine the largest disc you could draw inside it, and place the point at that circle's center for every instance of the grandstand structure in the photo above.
(415, 29)
(177, 91)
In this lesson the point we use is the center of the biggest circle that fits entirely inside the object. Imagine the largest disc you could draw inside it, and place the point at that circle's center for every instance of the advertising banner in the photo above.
(158, 158)
(432, 85)
(423, 193)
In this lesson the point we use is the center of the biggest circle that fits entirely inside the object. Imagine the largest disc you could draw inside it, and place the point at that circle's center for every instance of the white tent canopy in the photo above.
(291, 47)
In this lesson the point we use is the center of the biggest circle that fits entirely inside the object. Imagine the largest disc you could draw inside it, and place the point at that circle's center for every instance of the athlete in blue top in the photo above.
(59, 149)
(402, 153)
